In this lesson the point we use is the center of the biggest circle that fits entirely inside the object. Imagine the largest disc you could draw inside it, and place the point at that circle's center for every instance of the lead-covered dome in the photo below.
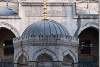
(45, 29)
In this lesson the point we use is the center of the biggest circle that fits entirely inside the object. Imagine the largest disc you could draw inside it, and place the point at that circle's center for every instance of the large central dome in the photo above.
(45, 28)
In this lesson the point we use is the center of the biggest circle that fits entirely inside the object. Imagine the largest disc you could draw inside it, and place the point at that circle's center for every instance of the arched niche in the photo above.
(6, 46)
(6, 41)
(89, 45)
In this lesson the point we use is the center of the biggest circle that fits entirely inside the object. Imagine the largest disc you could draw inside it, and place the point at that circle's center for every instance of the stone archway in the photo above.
(22, 61)
(7, 48)
(69, 58)
(6, 41)
(10, 27)
(47, 57)
(47, 51)
(68, 61)
(87, 26)
(72, 54)
(44, 60)
(89, 46)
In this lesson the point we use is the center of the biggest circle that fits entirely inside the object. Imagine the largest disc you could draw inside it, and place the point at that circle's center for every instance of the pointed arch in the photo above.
(44, 57)
(46, 51)
(68, 61)
(22, 61)
(87, 26)
(72, 54)
(19, 54)
(89, 45)
(10, 27)
(44, 60)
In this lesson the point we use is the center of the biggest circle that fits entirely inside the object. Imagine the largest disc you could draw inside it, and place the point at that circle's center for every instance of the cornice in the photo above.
(87, 16)
(49, 4)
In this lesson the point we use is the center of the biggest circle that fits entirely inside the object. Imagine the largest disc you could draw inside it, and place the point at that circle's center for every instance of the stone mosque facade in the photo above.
(68, 38)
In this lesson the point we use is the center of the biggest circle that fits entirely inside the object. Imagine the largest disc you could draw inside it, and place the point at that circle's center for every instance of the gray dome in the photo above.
(7, 11)
(45, 28)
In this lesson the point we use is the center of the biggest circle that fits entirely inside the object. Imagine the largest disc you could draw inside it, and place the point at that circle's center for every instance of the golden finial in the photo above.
(45, 17)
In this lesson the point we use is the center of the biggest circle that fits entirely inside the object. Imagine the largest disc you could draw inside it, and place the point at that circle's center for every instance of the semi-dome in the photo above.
(45, 28)
(7, 11)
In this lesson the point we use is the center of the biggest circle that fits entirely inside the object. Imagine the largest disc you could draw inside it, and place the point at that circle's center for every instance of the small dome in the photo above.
(45, 28)
(7, 11)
